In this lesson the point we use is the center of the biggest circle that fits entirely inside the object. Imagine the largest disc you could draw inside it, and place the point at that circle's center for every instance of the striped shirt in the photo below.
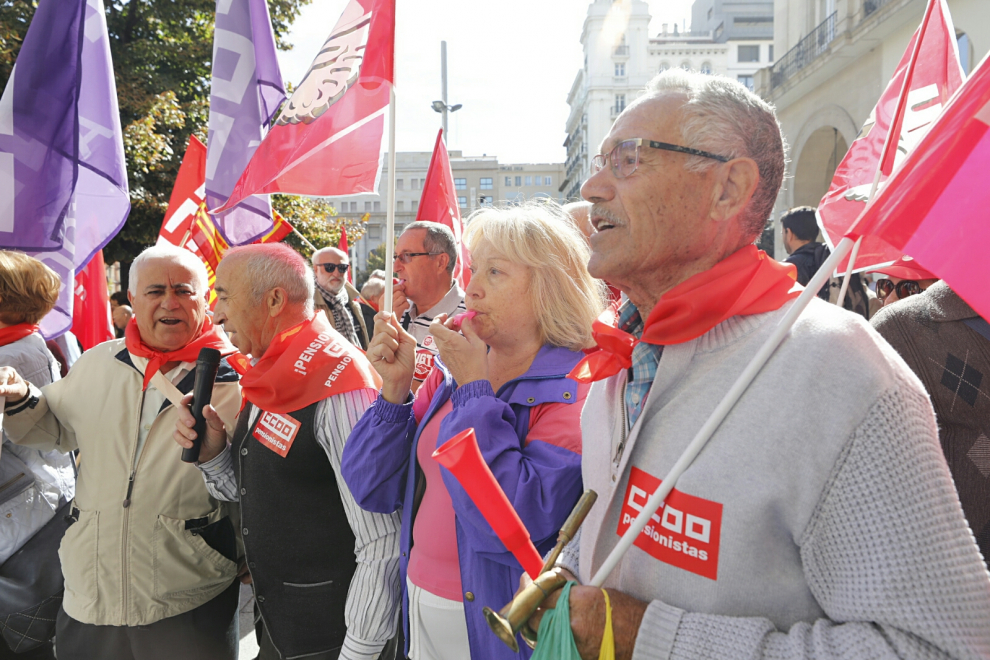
(418, 325)
(372, 609)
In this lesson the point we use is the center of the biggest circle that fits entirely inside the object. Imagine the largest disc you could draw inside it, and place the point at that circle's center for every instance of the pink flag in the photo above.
(933, 75)
(934, 207)
(327, 140)
(439, 204)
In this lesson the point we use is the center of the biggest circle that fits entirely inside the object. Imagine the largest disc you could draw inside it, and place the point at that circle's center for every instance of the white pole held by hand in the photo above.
(390, 216)
(721, 411)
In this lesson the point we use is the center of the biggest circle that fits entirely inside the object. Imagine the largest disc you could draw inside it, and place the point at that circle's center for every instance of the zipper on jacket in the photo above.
(124, 527)
(9, 483)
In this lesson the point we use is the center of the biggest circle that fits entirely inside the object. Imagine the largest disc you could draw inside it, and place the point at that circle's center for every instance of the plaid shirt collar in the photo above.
(645, 359)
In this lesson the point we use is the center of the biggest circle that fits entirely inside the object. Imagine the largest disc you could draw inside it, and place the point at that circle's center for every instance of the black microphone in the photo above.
(206, 372)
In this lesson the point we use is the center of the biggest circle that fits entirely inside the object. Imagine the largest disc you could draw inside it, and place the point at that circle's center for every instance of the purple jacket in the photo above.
(530, 436)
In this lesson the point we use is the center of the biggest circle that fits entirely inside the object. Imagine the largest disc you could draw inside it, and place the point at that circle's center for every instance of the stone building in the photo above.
(836, 58)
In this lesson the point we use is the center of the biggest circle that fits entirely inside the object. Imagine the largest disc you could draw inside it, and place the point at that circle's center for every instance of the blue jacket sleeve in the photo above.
(540, 476)
(376, 455)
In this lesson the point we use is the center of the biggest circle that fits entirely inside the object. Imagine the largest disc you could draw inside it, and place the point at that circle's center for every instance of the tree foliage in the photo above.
(162, 53)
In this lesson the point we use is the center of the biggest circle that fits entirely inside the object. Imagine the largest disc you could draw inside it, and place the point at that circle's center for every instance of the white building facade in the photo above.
(620, 57)
(835, 59)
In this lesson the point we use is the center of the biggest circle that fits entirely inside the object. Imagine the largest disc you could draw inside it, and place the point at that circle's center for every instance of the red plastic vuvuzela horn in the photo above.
(462, 457)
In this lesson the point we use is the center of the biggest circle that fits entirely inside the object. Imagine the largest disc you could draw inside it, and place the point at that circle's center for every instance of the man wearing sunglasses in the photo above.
(819, 520)
(903, 279)
(338, 298)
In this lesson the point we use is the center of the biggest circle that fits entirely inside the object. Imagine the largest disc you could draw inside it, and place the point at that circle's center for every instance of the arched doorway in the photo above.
(821, 155)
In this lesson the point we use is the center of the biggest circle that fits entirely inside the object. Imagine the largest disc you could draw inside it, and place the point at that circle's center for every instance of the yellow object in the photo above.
(607, 651)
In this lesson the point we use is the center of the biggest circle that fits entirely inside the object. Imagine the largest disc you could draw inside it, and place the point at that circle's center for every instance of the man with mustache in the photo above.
(149, 561)
(820, 519)
(324, 572)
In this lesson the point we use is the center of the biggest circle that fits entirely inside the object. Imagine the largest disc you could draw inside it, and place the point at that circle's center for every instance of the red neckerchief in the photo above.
(209, 337)
(16, 332)
(747, 282)
(305, 364)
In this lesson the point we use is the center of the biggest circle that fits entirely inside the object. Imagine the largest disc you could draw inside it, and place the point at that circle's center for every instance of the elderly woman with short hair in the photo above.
(33, 484)
(504, 375)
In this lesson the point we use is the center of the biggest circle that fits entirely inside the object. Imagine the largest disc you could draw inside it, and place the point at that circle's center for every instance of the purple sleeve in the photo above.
(376, 455)
(540, 477)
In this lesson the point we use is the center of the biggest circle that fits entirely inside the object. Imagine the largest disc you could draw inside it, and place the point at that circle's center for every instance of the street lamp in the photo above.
(441, 106)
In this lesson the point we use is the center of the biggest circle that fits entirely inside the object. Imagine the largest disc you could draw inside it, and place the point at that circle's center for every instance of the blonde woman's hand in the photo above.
(466, 355)
(392, 353)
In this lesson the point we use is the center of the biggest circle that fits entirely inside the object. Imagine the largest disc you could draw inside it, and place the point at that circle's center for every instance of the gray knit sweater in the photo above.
(820, 521)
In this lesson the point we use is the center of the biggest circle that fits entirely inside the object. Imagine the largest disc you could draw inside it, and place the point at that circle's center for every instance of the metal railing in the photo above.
(620, 51)
(806, 50)
(870, 6)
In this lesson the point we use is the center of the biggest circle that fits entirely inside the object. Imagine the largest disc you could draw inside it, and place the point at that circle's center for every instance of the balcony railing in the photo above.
(870, 6)
(806, 51)
(621, 51)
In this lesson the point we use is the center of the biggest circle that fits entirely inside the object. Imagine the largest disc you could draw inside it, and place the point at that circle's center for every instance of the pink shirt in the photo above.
(433, 563)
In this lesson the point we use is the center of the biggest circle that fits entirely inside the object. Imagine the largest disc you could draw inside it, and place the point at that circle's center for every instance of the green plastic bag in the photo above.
(555, 639)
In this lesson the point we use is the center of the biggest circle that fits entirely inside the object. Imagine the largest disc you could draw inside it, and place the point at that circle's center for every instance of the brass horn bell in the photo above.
(513, 618)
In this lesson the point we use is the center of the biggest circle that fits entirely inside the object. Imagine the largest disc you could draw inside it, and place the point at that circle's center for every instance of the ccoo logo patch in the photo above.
(684, 532)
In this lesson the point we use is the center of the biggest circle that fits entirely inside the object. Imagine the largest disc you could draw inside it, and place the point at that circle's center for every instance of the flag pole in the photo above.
(890, 141)
(390, 216)
(722, 410)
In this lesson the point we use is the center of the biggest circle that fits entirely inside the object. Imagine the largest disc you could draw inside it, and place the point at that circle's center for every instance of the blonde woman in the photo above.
(33, 484)
(504, 374)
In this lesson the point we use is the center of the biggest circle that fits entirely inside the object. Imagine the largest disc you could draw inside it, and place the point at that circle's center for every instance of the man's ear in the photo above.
(130, 298)
(443, 259)
(736, 183)
(275, 301)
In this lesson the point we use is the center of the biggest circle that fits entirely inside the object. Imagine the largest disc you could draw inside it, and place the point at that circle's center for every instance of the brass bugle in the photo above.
(513, 618)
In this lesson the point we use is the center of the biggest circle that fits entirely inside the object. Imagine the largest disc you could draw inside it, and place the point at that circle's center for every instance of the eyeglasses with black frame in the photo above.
(624, 158)
(329, 268)
(406, 257)
(904, 288)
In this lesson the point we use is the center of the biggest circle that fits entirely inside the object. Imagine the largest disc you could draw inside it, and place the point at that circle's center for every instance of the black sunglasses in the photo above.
(904, 288)
(332, 267)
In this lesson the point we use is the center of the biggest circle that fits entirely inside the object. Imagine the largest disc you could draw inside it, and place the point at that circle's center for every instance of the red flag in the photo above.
(439, 204)
(342, 246)
(91, 322)
(934, 207)
(188, 194)
(933, 74)
(327, 140)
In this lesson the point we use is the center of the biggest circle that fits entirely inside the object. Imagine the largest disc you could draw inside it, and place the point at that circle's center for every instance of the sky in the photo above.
(510, 63)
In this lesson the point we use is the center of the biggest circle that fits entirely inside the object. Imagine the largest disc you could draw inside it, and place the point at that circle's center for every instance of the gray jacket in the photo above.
(31, 481)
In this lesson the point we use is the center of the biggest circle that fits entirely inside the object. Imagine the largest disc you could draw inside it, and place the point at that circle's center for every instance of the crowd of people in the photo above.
(841, 509)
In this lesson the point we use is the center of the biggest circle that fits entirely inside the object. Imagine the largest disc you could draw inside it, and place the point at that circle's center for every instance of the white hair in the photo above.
(169, 252)
(271, 265)
(723, 117)
(330, 250)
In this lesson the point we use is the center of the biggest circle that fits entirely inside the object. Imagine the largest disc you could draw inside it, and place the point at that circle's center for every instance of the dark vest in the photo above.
(298, 542)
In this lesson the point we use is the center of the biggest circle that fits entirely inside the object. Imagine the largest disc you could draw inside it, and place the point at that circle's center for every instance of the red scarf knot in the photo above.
(209, 336)
(747, 282)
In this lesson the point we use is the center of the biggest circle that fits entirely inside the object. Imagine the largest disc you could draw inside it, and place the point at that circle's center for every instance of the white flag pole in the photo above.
(890, 141)
(390, 215)
(721, 411)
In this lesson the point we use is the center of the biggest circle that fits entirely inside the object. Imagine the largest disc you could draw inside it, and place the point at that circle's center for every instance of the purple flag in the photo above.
(63, 180)
(245, 94)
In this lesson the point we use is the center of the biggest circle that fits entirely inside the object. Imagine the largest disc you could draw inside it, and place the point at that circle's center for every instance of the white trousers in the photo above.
(437, 629)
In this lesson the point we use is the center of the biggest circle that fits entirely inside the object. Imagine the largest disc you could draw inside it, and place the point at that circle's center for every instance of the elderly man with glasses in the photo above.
(424, 260)
(820, 519)
(335, 296)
